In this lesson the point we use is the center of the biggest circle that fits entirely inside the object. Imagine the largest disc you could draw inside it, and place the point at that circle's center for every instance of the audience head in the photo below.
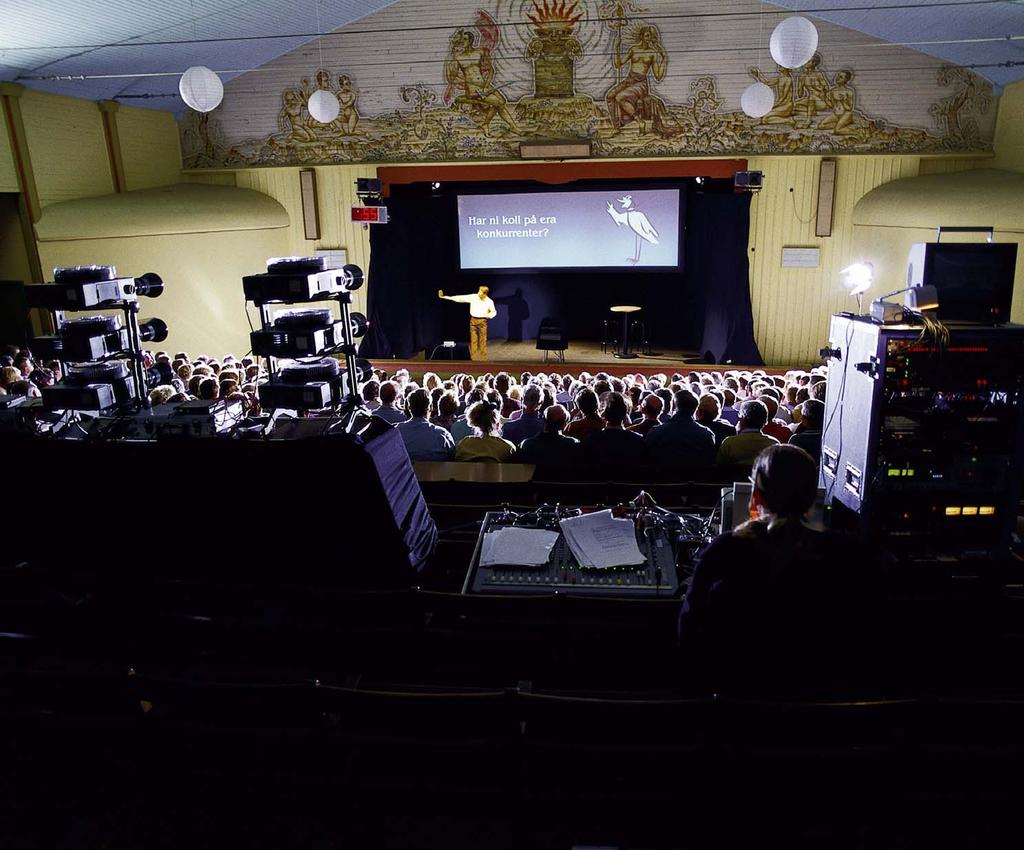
(209, 389)
(818, 389)
(684, 403)
(483, 417)
(447, 405)
(616, 409)
(771, 405)
(556, 417)
(418, 403)
(812, 414)
(532, 397)
(753, 414)
(586, 401)
(707, 408)
(388, 392)
(785, 480)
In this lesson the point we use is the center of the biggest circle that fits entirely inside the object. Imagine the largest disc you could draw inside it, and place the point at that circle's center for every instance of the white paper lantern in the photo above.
(201, 89)
(793, 42)
(323, 106)
(757, 100)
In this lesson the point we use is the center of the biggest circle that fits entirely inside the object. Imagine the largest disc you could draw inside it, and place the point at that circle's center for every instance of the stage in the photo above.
(581, 355)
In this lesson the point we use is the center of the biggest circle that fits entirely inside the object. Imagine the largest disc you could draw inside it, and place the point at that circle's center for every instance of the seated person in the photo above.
(588, 422)
(808, 433)
(774, 427)
(707, 414)
(749, 442)
(681, 441)
(461, 427)
(651, 408)
(776, 605)
(389, 410)
(528, 423)
(485, 445)
(551, 447)
(615, 446)
(424, 440)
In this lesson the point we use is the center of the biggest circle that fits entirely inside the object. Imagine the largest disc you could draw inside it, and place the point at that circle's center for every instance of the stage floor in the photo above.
(581, 355)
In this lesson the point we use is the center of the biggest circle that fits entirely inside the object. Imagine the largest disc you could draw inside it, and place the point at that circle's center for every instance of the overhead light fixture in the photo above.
(201, 89)
(323, 106)
(793, 42)
(758, 99)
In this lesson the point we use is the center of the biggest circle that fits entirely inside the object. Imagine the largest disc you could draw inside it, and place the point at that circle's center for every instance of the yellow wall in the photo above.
(336, 192)
(8, 176)
(1009, 143)
(202, 301)
(150, 147)
(67, 146)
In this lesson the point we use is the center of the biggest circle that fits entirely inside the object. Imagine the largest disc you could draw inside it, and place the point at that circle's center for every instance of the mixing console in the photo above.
(656, 577)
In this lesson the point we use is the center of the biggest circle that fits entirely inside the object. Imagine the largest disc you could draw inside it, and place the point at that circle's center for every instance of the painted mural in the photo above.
(613, 73)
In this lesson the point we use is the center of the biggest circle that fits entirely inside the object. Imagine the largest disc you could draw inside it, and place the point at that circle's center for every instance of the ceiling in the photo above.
(93, 38)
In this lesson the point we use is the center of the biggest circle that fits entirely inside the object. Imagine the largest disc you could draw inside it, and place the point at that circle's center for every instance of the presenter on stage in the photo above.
(481, 308)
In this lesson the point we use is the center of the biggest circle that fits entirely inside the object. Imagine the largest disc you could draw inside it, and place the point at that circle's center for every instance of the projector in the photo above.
(84, 287)
(281, 342)
(313, 395)
(293, 280)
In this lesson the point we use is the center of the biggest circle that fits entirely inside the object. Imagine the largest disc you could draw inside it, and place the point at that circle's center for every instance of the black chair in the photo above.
(552, 336)
(609, 335)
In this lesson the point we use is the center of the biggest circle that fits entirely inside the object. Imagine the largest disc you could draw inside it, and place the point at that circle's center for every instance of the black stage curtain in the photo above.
(417, 253)
(716, 249)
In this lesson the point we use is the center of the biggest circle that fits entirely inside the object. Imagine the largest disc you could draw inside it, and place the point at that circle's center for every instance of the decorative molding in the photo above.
(554, 150)
(629, 80)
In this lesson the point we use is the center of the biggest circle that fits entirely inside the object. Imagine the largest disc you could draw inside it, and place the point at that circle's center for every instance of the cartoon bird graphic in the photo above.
(637, 222)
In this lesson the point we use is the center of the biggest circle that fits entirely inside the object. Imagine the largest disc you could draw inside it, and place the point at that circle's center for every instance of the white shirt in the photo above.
(479, 308)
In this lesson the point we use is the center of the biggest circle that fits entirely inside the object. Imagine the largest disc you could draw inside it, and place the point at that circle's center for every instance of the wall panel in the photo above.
(150, 147)
(66, 142)
(8, 174)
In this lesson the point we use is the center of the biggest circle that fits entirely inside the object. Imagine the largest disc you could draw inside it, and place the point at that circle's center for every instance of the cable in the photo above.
(131, 43)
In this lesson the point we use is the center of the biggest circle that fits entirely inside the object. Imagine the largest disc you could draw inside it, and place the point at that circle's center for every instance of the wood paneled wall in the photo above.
(150, 147)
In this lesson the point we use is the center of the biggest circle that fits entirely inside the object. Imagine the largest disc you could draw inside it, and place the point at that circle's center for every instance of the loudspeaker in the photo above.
(826, 197)
(310, 204)
(749, 181)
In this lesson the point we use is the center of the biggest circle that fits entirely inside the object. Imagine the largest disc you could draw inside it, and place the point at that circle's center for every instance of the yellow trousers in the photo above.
(478, 339)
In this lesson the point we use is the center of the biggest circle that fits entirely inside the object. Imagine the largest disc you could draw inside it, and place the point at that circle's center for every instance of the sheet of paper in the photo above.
(600, 540)
(529, 547)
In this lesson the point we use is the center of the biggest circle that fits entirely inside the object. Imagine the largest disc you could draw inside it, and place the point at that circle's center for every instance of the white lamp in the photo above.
(323, 106)
(757, 100)
(201, 88)
(793, 42)
(858, 277)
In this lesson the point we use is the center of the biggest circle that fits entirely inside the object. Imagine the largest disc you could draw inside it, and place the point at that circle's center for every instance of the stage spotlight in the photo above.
(699, 180)
(858, 277)
(435, 186)
(358, 323)
(150, 285)
(155, 330)
(351, 277)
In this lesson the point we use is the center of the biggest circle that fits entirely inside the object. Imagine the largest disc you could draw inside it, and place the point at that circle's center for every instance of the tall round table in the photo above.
(626, 310)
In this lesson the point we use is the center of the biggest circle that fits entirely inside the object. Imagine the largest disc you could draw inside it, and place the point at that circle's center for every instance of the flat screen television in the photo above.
(974, 280)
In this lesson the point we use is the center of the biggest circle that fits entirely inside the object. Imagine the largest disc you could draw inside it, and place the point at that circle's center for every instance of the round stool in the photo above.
(626, 310)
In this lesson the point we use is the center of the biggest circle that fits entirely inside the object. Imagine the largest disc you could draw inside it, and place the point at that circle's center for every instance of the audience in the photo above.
(527, 422)
(651, 411)
(808, 433)
(390, 399)
(776, 605)
(485, 444)
(424, 440)
(615, 446)
(588, 420)
(681, 441)
(749, 441)
(551, 447)
(708, 413)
